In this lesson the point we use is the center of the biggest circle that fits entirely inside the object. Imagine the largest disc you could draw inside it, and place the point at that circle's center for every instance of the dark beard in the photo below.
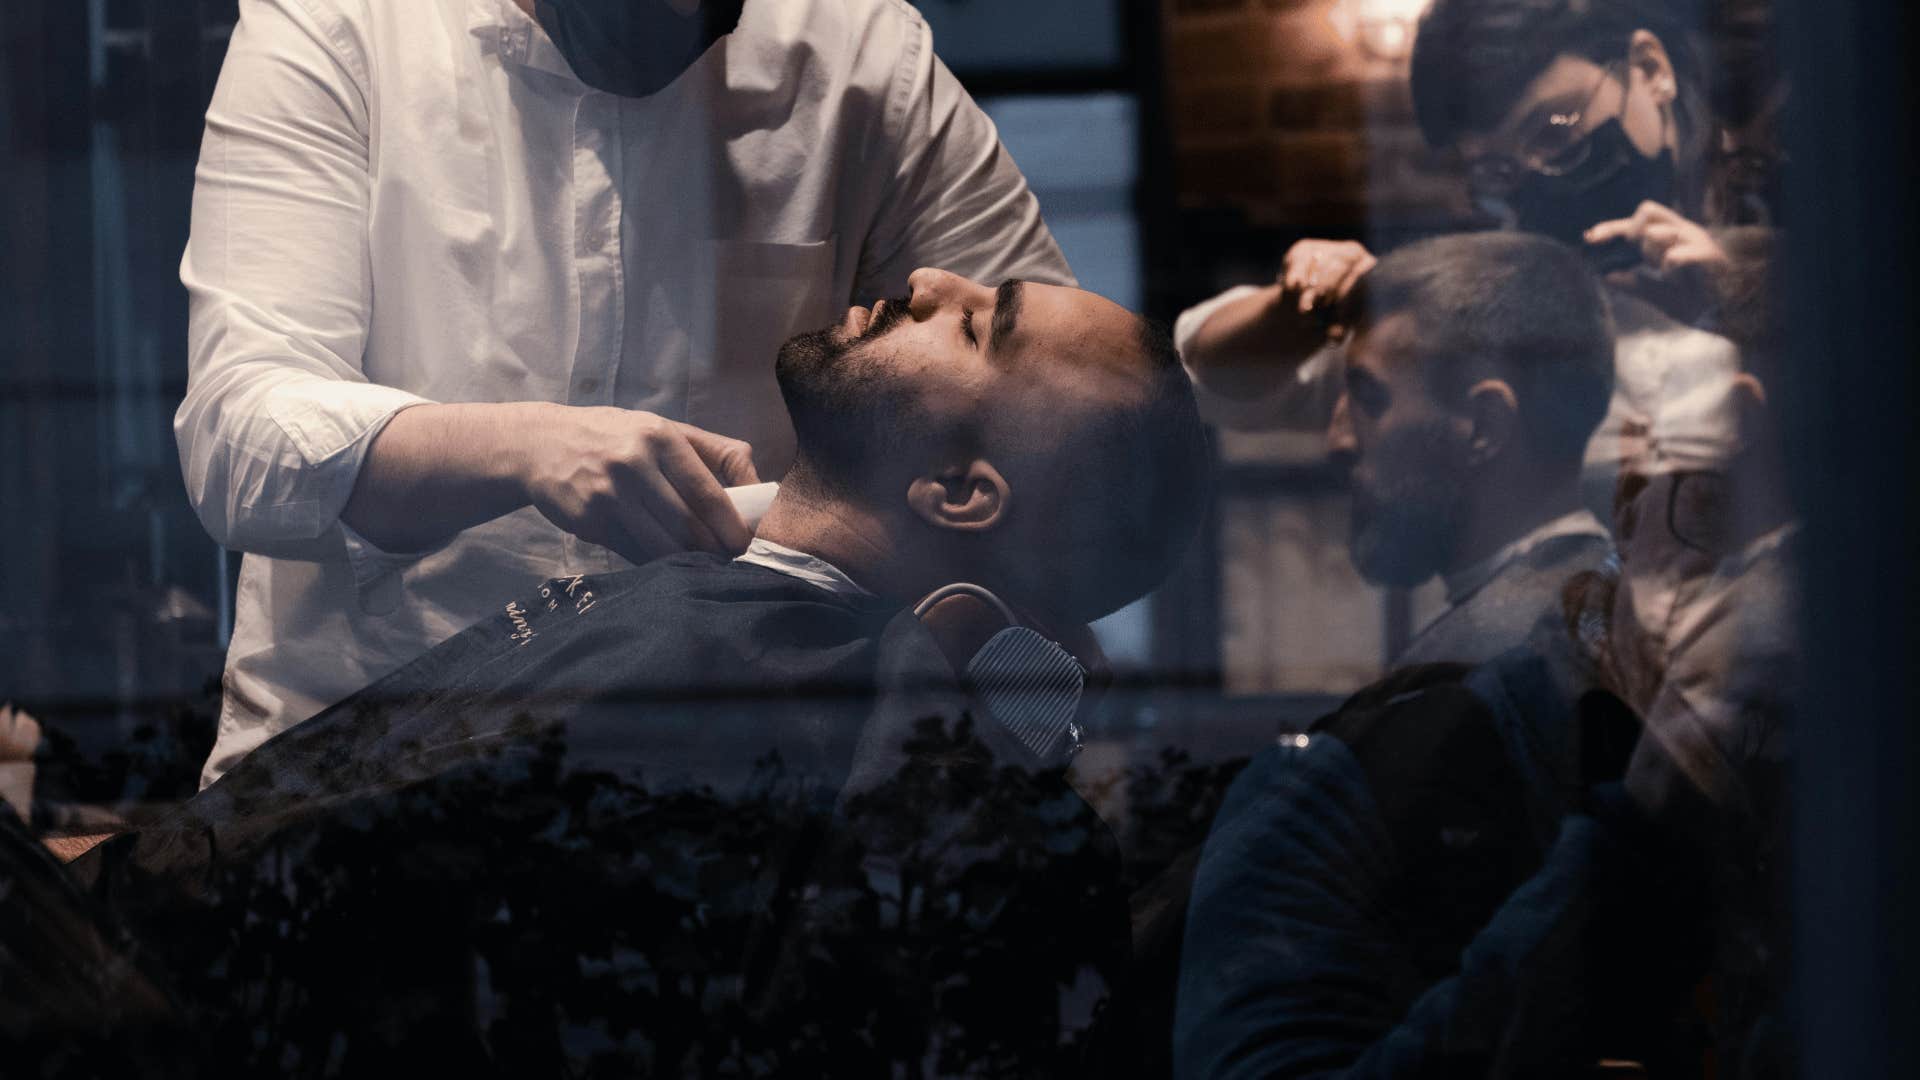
(846, 411)
(1407, 523)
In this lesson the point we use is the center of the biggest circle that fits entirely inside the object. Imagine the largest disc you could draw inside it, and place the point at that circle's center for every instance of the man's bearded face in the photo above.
(1409, 503)
(848, 406)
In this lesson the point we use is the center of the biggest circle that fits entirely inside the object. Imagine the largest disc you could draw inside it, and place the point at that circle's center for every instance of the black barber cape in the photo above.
(698, 818)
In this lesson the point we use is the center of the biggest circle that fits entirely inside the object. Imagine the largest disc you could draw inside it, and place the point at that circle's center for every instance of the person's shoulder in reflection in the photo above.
(1697, 634)
(1477, 369)
(765, 816)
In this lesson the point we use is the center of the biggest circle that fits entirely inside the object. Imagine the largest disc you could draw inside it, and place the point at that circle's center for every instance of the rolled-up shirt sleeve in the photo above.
(1300, 400)
(956, 199)
(279, 411)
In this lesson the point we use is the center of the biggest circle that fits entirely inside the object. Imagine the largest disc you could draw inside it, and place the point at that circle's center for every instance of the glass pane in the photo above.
(1006, 35)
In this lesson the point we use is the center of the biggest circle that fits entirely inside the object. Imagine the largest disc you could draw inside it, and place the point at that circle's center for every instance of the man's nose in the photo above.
(933, 289)
(1342, 446)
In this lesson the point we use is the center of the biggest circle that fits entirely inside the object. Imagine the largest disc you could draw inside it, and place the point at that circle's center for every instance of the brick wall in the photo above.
(1283, 126)
(1277, 113)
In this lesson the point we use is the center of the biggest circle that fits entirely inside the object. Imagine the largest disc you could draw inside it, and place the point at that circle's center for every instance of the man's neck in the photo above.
(524, 5)
(834, 531)
(1507, 516)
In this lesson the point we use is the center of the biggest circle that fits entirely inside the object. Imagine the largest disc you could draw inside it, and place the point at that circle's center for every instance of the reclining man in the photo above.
(730, 816)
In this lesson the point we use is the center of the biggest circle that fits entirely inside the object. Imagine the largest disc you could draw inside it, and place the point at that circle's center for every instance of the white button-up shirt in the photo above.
(415, 201)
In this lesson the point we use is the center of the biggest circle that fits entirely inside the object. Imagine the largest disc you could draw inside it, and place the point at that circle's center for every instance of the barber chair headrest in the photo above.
(1027, 679)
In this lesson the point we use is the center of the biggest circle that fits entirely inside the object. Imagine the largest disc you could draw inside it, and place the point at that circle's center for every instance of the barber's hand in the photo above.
(1319, 274)
(639, 484)
(1668, 241)
(1254, 344)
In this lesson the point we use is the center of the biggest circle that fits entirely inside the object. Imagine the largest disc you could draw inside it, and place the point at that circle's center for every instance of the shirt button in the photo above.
(587, 386)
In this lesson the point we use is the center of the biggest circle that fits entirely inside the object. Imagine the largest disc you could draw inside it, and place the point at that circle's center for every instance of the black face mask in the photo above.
(633, 48)
(1611, 183)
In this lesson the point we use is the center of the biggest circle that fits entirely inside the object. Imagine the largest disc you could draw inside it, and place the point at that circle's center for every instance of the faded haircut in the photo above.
(1133, 483)
(1506, 305)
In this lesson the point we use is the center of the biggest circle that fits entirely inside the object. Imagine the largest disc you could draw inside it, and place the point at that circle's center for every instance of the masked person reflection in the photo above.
(485, 292)
(1697, 634)
(1592, 123)
(755, 815)
(1477, 368)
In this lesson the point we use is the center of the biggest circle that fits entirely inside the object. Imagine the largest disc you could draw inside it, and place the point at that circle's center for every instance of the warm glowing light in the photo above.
(1383, 29)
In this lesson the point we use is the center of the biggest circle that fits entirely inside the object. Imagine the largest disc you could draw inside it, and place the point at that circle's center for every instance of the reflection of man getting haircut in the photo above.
(1478, 368)
(1588, 122)
(1412, 887)
(1498, 882)
(730, 816)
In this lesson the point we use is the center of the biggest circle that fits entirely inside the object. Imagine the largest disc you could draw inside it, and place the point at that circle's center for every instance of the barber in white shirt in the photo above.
(487, 291)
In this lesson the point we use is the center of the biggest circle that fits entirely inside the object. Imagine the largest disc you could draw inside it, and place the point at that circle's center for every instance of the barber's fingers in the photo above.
(1626, 228)
(1692, 247)
(1667, 239)
(635, 536)
(650, 494)
(1657, 240)
(1315, 272)
(1355, 271)
(1294, 268)
(1635, 225)
(1608, 231)
(730, 459)
(697, 492)
(1302, 265)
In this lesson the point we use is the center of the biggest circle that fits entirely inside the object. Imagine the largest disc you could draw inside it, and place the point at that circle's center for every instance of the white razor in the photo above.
(752, 500)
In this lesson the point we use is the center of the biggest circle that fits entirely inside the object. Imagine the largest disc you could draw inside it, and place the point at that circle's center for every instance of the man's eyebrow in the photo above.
(1006, 310)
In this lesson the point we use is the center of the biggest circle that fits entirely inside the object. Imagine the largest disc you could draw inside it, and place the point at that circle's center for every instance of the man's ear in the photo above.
(1493, 410)
(1647, 55)
(966, 498)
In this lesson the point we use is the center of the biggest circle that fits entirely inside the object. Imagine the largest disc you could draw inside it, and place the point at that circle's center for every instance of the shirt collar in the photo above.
(799, 564)
(517, 37)
(1465, 582)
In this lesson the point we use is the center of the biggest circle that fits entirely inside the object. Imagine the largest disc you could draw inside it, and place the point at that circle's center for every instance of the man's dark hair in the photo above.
(1511, 306)
(1118, 484)
(1472, 58)
(1134, 481)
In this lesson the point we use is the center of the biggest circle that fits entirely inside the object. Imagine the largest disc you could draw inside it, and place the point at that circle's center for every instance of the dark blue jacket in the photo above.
(1423, 887)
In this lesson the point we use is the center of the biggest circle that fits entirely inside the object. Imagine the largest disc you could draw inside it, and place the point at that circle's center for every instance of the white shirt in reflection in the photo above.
(400, 203)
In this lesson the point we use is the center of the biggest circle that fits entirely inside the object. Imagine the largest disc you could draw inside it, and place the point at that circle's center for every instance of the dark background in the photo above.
(1247, 130)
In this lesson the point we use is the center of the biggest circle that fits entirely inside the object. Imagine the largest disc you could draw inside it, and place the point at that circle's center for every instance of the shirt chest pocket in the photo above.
(763, 294)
